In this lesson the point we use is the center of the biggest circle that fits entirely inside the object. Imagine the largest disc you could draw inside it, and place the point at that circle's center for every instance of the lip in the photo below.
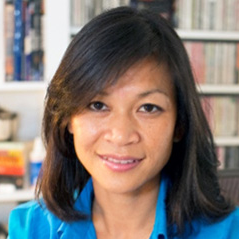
(120, 163)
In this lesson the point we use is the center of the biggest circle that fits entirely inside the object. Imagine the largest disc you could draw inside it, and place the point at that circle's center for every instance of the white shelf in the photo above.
(74, 30)
(208, 35)
(19, 195)
(23, 86)
(219, 89)
(227, 141)
(193, 34)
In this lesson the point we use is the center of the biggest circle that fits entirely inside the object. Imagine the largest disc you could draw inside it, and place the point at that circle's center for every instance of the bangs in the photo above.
(106, 53)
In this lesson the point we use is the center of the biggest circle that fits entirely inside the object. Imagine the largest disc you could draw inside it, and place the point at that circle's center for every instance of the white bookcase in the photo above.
(221, 90)
(206, 89)
(27, 98)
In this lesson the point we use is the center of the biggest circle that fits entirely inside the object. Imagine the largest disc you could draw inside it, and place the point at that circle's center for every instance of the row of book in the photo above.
(23, 37)
(214, 62)
(228, 157)
(184, 14)
(208, 14)
(222, 114)
(20, 162)
(84, 10)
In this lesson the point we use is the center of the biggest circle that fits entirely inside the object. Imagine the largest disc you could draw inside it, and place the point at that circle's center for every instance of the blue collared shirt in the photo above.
(30, 220)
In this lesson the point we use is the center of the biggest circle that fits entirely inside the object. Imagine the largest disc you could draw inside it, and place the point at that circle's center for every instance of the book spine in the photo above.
(24, 6)
(237, 15)
(36, 42)
(2, 42)
(27, 43)
(212, 14)
(218, 15)
(221, 157)
(8, 39)
(208, 14)
(198, 61)
(18, 40)
(237, 63)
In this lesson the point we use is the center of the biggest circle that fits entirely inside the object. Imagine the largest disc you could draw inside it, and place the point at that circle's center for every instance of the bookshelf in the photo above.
(58, 31)
(189, 30)
(218, 89)
(17, 196)
(208, 35)
(23, 86)
(214, 25)
(27, 98)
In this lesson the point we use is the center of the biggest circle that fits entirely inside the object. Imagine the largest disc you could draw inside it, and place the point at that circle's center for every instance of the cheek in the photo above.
(160, 139)
(84, 128)
(85, 133)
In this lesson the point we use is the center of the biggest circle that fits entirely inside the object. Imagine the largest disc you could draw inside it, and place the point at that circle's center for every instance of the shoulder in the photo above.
(32, 220)
(233, 224)
(227, 228)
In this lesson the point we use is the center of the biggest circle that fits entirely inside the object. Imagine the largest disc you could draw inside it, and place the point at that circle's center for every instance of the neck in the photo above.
(125, 215)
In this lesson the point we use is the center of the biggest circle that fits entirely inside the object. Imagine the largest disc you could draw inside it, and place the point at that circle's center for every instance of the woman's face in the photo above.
(124, 137)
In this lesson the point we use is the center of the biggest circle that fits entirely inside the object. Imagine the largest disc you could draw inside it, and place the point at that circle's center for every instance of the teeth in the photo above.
(120, 161)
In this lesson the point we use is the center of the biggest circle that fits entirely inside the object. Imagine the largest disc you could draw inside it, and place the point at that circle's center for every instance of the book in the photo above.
(36, 42)
(9, 39)
(24, 40)
(18, 40)
(12, 163)
(165, 8)
(222, 113)
(228, 157)
(84, 10)
(208, 14)
(214, 62)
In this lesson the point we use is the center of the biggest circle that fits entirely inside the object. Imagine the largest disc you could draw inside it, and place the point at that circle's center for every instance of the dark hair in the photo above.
(102, 51)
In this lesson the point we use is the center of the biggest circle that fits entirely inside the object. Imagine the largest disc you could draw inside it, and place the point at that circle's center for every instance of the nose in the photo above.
(122, 130)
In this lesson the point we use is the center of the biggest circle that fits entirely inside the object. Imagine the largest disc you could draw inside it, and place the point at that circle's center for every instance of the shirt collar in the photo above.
(86, 229)
(160, 224)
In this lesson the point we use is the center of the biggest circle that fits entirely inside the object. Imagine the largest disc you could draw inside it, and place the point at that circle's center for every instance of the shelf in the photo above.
(74, 30)
(227, 141)
(218, 89)
(23, 86)
(193, 34)
(208, 35)
(19, 195)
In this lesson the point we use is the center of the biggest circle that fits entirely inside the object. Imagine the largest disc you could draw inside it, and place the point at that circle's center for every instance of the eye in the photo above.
(97, 106)
(150, 108)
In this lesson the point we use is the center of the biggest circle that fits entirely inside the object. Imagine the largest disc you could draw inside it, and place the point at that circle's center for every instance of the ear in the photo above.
(178, 133)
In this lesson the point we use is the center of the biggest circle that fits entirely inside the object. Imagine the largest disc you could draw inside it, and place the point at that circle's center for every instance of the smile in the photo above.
(126, 161)
(120, 164)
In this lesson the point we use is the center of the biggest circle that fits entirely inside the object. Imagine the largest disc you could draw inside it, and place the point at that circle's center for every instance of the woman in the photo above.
(129, 151)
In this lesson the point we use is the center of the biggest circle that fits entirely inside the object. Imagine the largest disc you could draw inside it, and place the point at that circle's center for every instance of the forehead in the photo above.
(146, 74)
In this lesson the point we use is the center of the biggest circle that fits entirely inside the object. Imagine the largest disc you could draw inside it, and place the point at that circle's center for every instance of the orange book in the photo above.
(12, 163)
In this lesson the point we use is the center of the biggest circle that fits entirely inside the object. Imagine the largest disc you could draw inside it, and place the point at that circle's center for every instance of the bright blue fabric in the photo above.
(29, 220)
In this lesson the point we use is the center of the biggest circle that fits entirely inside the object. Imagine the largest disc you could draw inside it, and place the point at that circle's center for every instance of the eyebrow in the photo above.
(144, 94)
(141, 95)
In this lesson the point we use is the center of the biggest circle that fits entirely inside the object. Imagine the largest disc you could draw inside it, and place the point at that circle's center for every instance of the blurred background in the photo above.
(33, 37)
